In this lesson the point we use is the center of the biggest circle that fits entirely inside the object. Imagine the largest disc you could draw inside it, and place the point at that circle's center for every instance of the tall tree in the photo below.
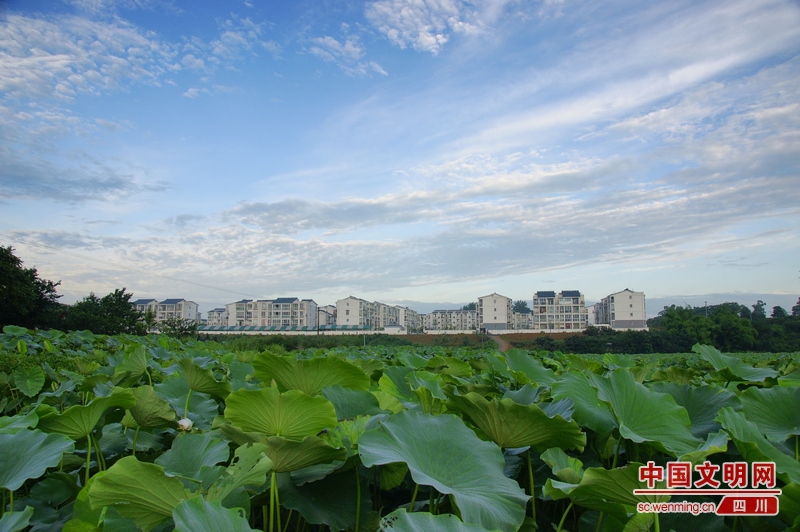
(25, 299)
(796, 308)
(759, 310)
(779, 312)
(110, 314)
(520, 305)
(470, 306)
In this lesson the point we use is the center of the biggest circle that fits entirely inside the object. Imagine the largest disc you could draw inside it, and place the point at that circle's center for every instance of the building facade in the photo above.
(494, 313)
(177, 309)
(622, 311)
(217, 317)
(563, 311)
(449, 320)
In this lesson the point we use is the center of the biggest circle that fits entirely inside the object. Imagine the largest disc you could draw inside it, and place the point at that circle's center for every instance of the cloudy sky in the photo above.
(417, 151)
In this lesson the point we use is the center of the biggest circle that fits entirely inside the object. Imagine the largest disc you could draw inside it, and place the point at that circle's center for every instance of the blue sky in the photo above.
(424, 152)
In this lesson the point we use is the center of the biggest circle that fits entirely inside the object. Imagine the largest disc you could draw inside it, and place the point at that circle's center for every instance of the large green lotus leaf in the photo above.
(702, 403)
(29, 380)
(509, 424)
(350, 404)
(134, 363)
(731, 368)
(79, 421)
(291, 414)
(754, 447)
(202, 380)
(565, 467)
(241, 376)
(28, 454)
(789, 504)
(14, 424)
(190, 452)
(139, 491)
(716, 442)
(150, 411)
(425, 522)
(775, 410)
(202, 407)
(643, 415)
(393, 381)
(249, 467)
(441, 451)
(198, 515)
(16, 521)
(606, 490)
(412, 360)
(675, 374)
(590, 411)
(450, 366)
(309, 376)
(520, 360)
(330, 501)
(289, 455)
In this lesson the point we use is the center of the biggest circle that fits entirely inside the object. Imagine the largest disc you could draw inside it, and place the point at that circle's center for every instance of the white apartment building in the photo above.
(354, 311)
(494, 312)
(522, 321)
(565, 311)
(409, 319)
(458, 320)
(177, 308)
(146, 305)
(217, 317)
(280, 312)
(385, 315)
(622, 311)
(327, 314)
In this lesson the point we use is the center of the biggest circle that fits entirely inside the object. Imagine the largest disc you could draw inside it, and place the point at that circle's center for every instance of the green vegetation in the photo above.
(146, 433)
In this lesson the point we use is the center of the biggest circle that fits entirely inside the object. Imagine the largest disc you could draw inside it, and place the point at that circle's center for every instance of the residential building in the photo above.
(409, 319)
(565, 311)
(622, 311)
(458, 320)
(240, 312)
(146, 305)
(177, 308)
(327, 315)
(354, 311)
(217, 317)
(494, 312)
(522, 321)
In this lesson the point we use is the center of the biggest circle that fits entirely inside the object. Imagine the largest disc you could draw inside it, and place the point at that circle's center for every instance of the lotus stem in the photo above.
(101, 460)
(358, 500)
(531, 484)
(616, 454)
(264, 515)
(186, 407)
(2, 502)
(272, 483)
(413, 498)
(288, 518)
(797, 448)
(135, 437)
(599, 522)
(88, 457)
(564, 517)
(656, 523)
(148, 377)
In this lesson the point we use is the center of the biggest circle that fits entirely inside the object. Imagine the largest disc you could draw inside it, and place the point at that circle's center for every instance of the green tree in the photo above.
(520, 306)
(759, 311)
(732, 333)
(684, 321)
(779, 312)
(470, 306)
(25, 299)
(178, 327)
(110, 314)
(796, 308)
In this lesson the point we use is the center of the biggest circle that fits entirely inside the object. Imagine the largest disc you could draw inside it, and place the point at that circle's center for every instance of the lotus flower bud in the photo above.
(185, 424)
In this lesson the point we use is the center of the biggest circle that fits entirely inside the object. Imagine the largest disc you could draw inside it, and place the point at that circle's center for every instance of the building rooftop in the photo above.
(172, 301)
(571, 293)
(546, 294)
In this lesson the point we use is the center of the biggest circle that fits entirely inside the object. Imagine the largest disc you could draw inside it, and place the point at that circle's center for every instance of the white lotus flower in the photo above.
(185, 424)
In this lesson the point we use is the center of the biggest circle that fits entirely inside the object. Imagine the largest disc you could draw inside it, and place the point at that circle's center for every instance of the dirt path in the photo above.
(502, 345)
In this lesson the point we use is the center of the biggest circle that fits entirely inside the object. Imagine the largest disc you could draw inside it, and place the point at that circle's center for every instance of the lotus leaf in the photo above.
(28, 454)
(79, 421)
(731, 368)
(442, 452)
(509, 424)
(16, 521)
(191, 452)
(425, 522)
(643, 415)
(289, 455)
(520, 360)
(775, 410)
(150, 411)
(202, 380)
(198, 515)
(249, 467)
(29, 380)
(139, 491)
(292, 414)
(309, 376)
(350, 404)
(590, 411)
(702, 403)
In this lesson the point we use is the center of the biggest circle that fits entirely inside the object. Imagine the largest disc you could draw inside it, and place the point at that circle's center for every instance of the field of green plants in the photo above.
(125, 433)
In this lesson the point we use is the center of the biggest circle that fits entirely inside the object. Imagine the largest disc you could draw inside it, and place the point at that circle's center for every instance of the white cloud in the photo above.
(347, 54)
(426, 25)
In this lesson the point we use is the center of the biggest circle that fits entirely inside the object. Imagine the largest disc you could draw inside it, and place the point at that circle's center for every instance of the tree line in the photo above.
(29, 301)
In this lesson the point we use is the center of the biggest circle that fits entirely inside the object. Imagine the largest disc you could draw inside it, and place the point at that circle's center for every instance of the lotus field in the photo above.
(125, 433)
